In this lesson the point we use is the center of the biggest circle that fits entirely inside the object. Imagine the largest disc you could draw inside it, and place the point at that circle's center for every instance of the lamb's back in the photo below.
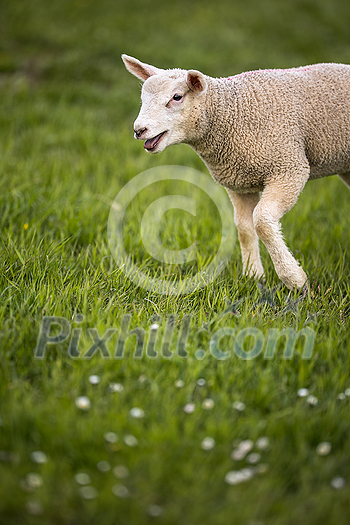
(308, 105)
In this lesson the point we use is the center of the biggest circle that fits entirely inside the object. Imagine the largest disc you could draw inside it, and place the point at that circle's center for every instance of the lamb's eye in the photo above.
(177, 97)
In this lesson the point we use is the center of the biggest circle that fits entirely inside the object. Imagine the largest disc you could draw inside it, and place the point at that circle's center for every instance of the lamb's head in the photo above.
(171, 104)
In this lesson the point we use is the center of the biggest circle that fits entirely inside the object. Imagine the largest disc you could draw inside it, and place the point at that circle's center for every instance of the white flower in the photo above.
(247, 473)
(238, 476)
(262, 443)
(38, 457)
(155, 511)
(239, 406)
(116, 387)
(179, 383)
(324, 448)
(82, 478)
(253, 458)
(208, 404)
(83, 402)
(201, 382)
(121, 471)
(34, 480)
(303, 392)
(154, 326)
(233, 477)
(246, 445)
(238, 454)
(103, 466)
(88, 492)
(94, 380)
(130, 440)
(111, 437)
(338, 482)
(120, 491)
(137, 413)
(189, 408)
(312, 400)
(208, 443)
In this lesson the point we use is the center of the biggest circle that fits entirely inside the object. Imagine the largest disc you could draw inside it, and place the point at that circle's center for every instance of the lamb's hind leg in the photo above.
(244, 204)
(277, 198)
(345, 177)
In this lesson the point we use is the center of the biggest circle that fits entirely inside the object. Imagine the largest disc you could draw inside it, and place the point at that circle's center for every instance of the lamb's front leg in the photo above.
(276, 199)
(244, 204)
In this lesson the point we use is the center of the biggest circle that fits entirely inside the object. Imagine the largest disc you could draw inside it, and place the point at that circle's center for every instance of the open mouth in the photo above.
(151, 144)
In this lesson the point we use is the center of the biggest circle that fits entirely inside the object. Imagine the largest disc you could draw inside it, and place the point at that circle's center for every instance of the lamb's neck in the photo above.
(217, 117)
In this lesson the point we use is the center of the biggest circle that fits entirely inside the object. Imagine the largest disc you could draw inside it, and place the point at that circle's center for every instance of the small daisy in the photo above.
(88, 492)
(238, 454)
(38, 457)
(111, 437)
(338, 482)
(239, 406)
(121, 471)
(34, 480)
(83, 402)
(303, 392)
(208, 443)
(324, 448)
(116, 387)
(137, 413)
(262, 443)
(82, 479)
(253, 458)
(94, 380)
(246, 445)
(103, 466)
(120, 491)
(312, 400)
(189, 408)
(130, 440)
(208, 404)
(155, 511)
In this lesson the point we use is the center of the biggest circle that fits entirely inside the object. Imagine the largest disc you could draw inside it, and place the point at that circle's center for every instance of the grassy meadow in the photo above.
(72, 449)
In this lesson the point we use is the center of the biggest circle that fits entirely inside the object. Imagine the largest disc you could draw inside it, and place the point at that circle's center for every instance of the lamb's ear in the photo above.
(139, 69)
(196, 81)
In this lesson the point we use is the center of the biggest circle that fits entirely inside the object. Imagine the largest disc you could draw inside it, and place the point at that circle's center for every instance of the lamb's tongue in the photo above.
(149, 143)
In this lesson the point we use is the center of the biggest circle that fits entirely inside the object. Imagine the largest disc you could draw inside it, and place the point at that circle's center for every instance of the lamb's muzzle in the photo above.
(262, 134)
(139, 132)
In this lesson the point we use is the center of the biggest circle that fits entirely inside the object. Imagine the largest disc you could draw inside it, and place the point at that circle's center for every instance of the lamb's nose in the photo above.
(139, 132)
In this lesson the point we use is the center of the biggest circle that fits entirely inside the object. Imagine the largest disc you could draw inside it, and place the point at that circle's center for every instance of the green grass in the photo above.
(66, 150)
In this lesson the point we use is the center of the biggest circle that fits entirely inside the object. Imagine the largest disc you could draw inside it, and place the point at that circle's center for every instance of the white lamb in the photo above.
(267, 131)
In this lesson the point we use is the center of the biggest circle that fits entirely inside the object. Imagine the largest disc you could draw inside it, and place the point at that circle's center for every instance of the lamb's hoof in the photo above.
(296, 280)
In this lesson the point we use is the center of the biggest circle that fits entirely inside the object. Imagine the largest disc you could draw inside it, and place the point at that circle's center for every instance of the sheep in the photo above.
(262, 134)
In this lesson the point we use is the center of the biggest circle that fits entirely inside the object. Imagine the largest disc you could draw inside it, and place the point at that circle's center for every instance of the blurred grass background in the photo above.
(66, 149)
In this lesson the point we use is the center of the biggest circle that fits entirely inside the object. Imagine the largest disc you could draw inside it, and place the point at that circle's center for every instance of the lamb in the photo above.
(262, 134)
